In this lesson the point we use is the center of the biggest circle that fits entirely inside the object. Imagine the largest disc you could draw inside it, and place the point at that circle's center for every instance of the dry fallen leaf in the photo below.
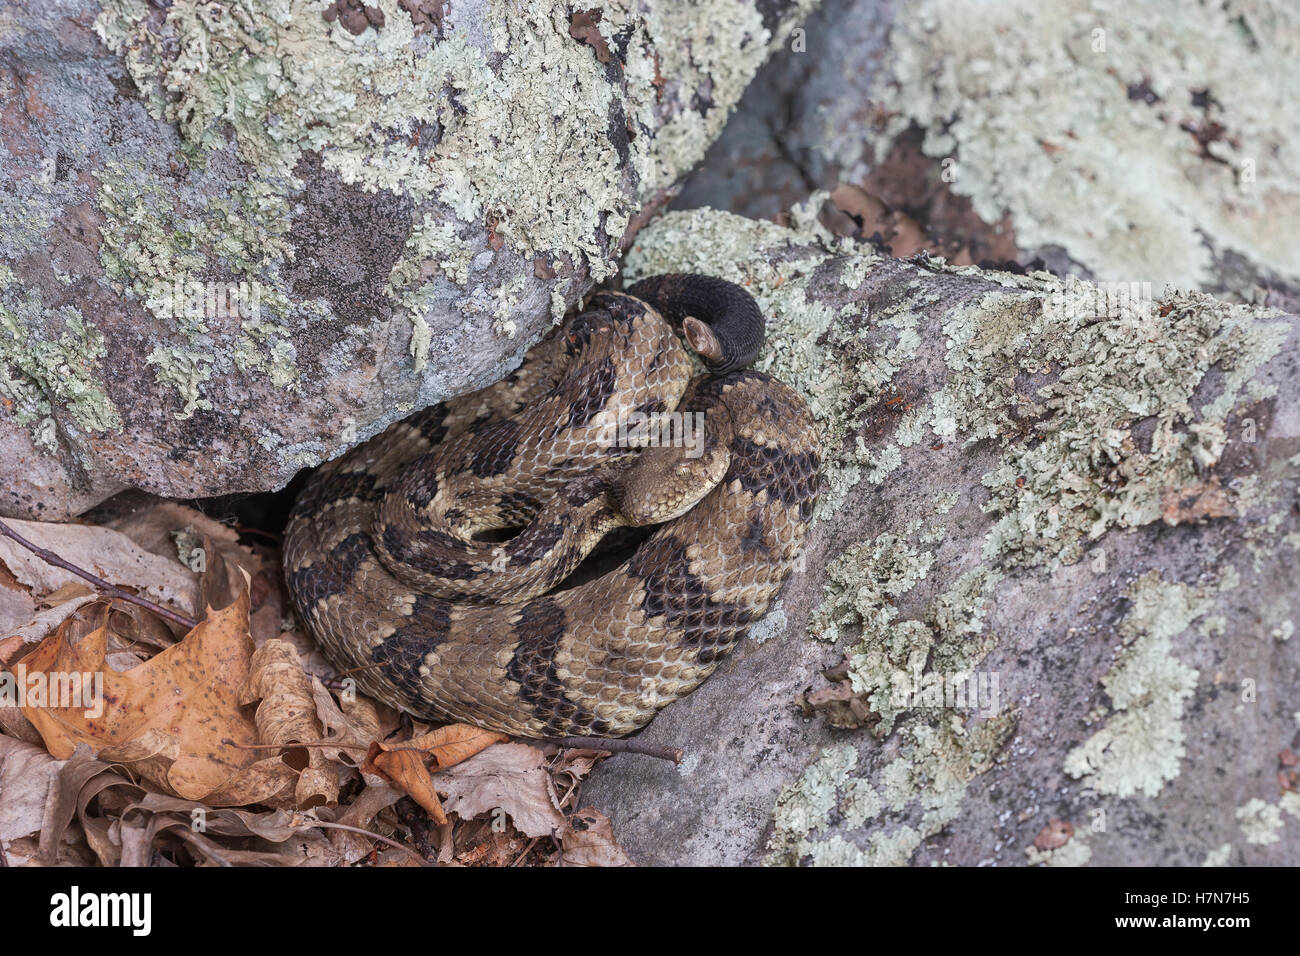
(14, 724)
(12, 648)
(485, 842)
(403, 764)
(350, 728)
(43, 622)
(285, 716)
(17, 606)
(453, 744)
(510, 777)
(1055, 834)
(82, 780)
(839, 704)
(204, 546)
(405, 770)
(164, 527)
(104, 552)
(1199, 501)
(27, 774)
(375, 798)
(156, 814)
(583, 26)
(168, 718)
(588, 840)
(569, 768)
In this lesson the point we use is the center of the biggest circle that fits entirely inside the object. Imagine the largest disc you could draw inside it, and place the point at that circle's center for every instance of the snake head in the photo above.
(672, 476)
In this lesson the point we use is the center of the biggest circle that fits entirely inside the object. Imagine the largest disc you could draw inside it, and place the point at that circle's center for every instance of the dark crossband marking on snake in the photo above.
(389, 559)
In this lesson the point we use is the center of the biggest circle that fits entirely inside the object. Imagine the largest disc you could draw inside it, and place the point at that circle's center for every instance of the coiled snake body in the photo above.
(385, 563)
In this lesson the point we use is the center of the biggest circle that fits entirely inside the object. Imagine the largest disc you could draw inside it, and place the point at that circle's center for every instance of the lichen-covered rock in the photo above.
(238, 238)
(1054, 576)
(1138, 143)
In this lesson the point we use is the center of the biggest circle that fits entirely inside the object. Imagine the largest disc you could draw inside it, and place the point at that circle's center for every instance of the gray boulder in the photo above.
(241, 238)
(1152, 145)
(1048, 613)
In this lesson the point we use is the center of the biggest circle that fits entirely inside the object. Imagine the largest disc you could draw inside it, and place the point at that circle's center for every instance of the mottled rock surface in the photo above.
(239, 238)
(1076, 516)
(1124, 143)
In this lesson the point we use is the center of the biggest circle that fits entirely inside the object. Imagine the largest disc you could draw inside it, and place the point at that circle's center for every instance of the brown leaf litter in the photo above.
(230, 744)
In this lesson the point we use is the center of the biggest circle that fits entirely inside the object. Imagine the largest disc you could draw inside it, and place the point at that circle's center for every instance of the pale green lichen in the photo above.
(504, 123)
(1261, 537)
(1085, 472)
(806, 806)
(1067, 468)
(189, 545)
(945, 501)
(865, 580)
(433, 246)
(513, 110)
(184, 370)
(924, 784)
(862, 587)
(150, 241)
(1290, 802)
(156, 250)
(1141, 745)
(772, 624)
(1260, 822)
(41, 371)
(1077, 117)
(859, 803)
(27, 214)
(1075, 853)
(902, 665)
(1219, 856)
(421, 336)
(506, 298)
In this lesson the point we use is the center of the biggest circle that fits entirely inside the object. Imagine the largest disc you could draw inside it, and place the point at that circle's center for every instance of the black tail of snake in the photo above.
(602, 427)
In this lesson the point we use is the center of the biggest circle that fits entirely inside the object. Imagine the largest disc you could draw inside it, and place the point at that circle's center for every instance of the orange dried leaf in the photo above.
(1055, 834)
(168, 717)
(451, 744)
(406, 771)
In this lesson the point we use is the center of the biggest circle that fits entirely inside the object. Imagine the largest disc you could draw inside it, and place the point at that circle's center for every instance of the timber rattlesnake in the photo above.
(384, 561)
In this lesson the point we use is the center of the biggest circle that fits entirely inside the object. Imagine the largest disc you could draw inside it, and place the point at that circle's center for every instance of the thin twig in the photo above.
(606, 744)
(374, 836)
(610, 745)
(289, 746)
(49, 557)
(241, 529)
(527, 850)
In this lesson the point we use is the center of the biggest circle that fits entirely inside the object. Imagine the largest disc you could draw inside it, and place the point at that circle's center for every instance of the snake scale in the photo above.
(398, 555)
